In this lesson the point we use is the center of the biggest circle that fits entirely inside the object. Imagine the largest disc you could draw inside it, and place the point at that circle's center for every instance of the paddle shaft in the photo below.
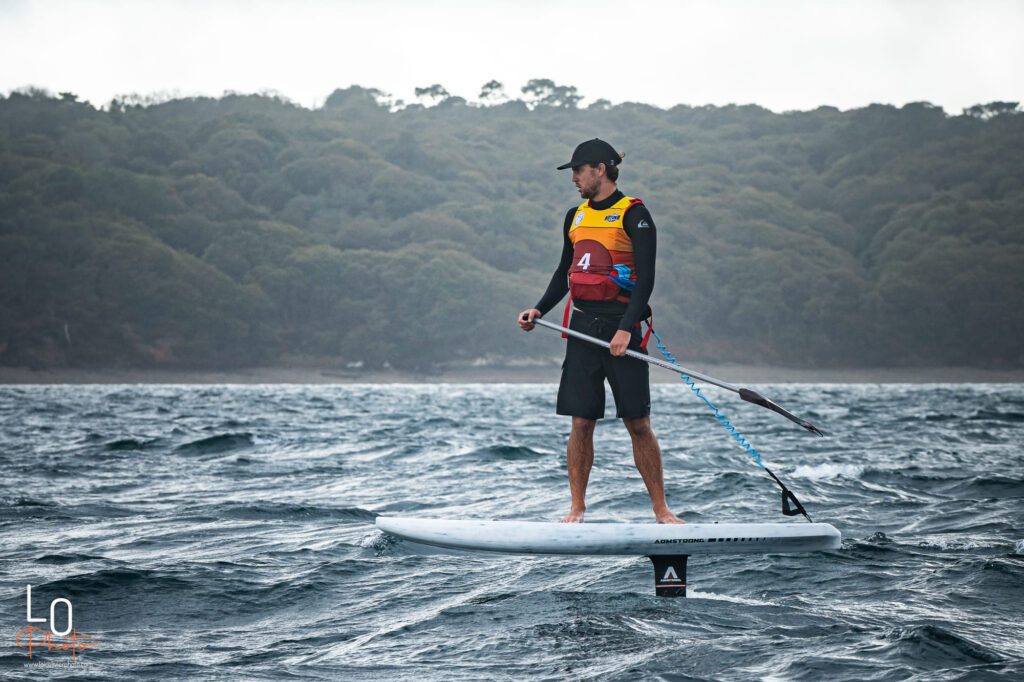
(678, 369)
(745, 393)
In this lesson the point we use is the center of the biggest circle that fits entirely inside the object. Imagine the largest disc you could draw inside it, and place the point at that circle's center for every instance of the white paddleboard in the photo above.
(626, 539)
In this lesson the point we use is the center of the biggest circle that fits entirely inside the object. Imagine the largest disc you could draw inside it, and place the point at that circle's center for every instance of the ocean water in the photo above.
(226, 532)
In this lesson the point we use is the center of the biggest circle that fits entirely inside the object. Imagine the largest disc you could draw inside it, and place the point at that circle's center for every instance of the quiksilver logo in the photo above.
(643, 223)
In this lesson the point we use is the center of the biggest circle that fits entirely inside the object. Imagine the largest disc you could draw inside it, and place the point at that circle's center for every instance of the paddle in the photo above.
(744, 393)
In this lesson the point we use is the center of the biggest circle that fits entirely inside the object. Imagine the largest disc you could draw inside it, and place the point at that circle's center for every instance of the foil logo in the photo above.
(51, 638)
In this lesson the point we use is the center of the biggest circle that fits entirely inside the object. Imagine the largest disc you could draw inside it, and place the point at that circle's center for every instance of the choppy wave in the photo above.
(936, 646)
(283, 511)
(508, 452)
(121, 444)
(227, 532)
(222, 442)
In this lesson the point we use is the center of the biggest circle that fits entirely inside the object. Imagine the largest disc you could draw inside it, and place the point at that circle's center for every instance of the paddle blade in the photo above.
(796, 508)
(758, 399)
(787, 498)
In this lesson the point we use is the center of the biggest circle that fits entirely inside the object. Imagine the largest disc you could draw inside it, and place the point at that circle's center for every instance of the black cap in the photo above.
(593, 152)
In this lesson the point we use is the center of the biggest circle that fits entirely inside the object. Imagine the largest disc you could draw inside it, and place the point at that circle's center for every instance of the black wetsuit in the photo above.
(586, 366)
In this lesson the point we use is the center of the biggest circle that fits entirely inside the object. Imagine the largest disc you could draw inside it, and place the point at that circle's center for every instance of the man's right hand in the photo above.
(526, 319)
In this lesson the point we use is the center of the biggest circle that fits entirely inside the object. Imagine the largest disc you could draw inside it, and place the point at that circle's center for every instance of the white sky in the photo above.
(782, 54)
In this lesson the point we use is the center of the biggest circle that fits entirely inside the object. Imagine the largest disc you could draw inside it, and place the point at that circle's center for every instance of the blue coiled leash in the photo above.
(787, 494)
(718, 413)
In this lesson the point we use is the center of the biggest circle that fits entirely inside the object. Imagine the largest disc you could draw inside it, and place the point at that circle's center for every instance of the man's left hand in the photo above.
(620, 342)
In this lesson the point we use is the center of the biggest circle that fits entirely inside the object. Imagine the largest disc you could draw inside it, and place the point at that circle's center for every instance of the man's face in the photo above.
(587, 181)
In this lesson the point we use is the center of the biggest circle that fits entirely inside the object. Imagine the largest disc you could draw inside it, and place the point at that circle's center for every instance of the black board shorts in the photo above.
(586, 366)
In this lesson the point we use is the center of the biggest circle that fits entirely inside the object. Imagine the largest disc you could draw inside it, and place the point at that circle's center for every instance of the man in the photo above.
(607, 267)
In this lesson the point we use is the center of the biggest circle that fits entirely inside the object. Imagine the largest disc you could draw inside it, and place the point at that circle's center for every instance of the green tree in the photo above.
(546, 93)
(432, 94)
(493, 92)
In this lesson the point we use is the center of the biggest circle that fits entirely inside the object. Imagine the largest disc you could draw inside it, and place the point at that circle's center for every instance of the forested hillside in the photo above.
(247, 230)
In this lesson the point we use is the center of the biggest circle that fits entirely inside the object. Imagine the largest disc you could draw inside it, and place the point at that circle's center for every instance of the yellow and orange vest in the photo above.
(603, 268)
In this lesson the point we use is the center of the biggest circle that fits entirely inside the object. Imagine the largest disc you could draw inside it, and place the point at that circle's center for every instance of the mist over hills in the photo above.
(245, 230)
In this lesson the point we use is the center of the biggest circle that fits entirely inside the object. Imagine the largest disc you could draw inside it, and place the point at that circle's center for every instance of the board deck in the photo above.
(623, 539)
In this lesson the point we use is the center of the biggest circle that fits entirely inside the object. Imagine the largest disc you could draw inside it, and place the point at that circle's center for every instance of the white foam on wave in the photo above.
(376, 541)
(697, 594)
(818, 471)
(955, 543)
(962, 543)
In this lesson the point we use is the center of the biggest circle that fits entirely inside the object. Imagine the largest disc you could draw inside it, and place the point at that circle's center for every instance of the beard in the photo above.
(589, 191)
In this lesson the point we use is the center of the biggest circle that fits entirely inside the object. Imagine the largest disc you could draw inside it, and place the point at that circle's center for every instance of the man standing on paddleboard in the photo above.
(607, 268)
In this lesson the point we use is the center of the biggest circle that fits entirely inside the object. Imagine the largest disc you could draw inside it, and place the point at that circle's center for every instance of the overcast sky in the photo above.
(782, 54)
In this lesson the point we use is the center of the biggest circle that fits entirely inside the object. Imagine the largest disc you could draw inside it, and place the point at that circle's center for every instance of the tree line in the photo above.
(246, 230)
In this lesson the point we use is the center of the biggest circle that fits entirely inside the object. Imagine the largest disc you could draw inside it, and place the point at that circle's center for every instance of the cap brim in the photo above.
(584, 163)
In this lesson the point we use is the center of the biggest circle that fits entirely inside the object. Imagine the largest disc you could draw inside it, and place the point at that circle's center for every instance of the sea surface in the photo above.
(227, 532)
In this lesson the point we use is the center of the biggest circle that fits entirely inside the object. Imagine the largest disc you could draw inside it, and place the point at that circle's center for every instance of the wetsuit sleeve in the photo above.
(558, 287)
(640, 227)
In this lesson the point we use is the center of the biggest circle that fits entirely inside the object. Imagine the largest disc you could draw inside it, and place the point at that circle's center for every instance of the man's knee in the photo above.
(583, 427)
(639, 427)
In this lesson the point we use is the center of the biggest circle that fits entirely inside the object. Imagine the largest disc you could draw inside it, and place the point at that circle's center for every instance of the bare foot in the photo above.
(574, 516)
(667, 517)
